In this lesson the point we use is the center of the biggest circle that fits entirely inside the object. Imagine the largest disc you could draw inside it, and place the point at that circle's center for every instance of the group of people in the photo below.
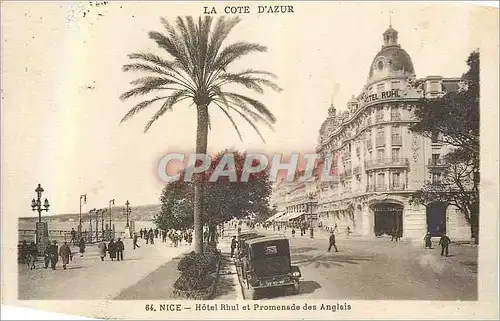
(175, 236)
(114, 249)
(444, 242)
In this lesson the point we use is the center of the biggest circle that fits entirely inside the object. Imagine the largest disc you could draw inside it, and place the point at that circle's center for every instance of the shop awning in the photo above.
(290, 216)
(275, 216)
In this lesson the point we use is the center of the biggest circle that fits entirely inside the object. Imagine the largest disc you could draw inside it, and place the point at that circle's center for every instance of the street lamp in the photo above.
(111, 202)
(36, 205)
(310, 204)
(97, 224)
(90, 223)
(128, 210)
(103, 210)
(84, 197)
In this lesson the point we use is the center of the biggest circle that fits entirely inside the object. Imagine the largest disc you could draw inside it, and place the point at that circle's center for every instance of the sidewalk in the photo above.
(229, 287)
(87, 278)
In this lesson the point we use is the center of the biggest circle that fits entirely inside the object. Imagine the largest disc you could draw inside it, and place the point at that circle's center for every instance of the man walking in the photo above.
(65, 254)
(444, 241)
(120, 247)
(135, 241)
(102, 250)
(51, 255)
(233, 245)
(332, 242)
(73, 237)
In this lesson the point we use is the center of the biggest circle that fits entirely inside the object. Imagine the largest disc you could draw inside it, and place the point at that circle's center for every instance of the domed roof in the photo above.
(329, 122)
(397, 58)
(391, 58)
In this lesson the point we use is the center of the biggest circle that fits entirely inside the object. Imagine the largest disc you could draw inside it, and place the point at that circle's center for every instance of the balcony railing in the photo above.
(396, 140)
(395, 116)
(386, 162)
(436, 162)
(380, 141)
(379, 118)
(356, 170)
(385, 188)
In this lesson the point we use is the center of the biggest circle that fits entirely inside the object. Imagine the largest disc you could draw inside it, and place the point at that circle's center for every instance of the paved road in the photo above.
(382, 270)
(87, 278)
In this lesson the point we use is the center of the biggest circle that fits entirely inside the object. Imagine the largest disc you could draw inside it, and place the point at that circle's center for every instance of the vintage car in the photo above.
(242, 237)
(268, 265)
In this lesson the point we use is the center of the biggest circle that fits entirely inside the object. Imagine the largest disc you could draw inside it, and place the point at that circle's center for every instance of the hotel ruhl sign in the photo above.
(390, 94)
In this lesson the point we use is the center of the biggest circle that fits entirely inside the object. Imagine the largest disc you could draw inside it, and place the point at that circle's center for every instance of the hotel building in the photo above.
(379, 163)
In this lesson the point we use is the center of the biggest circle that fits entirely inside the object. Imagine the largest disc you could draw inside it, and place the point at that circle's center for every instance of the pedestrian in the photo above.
(51, 255)
(444, 241)
(156, 233)
(332, 242)
(112, 249)
(65, 254)
(151, 236)
(102, 250)
(32, 254)
(146, 236)
(233, 245)
(239, 230)
(120, 247)
(164, 236)
(141, 232)
(81, 244)
(135, 241)
(293, 232)
(73, 237)
(428, 241)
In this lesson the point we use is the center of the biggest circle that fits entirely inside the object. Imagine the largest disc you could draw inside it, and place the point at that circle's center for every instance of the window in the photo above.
(396, 179)
(379, 115)
(370, 180)
(271, 250)
(380, 87)
(380, 139)
(395, 84)
(434, 86)
(434, 137)
(395, 154)
(380, 154)
(435, 159)
(370, 155)
(436, 178)
(395, 114)
(396, 135)
(381, 180)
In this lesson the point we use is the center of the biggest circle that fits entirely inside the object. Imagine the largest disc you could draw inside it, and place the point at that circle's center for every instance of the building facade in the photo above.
(379, 163)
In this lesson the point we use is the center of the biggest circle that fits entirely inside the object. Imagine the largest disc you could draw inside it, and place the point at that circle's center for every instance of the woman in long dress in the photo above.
(81, 244)
(65, 254)
(112, 249)
(102, 250)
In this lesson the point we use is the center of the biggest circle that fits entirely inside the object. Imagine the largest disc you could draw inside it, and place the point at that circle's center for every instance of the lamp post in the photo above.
(97, 225)
(84, 197)
(111, 202)
(128, 210)
(36, 205)
(310, 204)
(103, 210)
(90, 223)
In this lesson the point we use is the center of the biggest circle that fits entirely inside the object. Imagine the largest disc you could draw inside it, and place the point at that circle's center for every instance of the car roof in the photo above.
(266, 239)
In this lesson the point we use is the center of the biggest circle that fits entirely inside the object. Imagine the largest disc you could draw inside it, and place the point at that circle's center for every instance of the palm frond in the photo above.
(249, 82)
(170, 101)
(140, 106)
(230, 119)
(152, 81)
(234, 51)
(245, 117)
(260, 107)
(142, 91)
(144, 67)
(222, 29)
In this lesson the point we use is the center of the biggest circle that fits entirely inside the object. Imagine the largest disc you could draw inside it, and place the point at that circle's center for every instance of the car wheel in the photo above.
(296, 288)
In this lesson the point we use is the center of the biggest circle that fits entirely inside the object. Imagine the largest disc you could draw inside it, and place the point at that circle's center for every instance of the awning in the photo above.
(290, 216)
(275, 216)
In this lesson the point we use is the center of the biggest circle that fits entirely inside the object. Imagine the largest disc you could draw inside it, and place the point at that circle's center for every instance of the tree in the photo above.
(198, 71)
(223, 198)
(454, 120)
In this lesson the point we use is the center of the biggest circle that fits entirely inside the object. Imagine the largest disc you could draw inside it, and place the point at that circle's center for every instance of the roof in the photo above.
(398, 59)
(276, 237)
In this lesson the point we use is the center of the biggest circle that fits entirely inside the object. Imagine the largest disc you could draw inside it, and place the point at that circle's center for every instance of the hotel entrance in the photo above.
(388, 218)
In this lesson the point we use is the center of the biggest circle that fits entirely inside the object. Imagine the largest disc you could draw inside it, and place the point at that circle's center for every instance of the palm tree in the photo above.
(197, 71)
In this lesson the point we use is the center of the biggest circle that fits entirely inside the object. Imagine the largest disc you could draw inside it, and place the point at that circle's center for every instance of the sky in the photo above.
(62, 78)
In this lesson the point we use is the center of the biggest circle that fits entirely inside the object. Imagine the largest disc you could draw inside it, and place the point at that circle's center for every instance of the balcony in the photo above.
(368, 121)
(386, 162)
(380, 141)
(436, 163)
(395, 116)
(379, 119)
(369, 144)
(356, 170)
(397, 140)
(385, 188)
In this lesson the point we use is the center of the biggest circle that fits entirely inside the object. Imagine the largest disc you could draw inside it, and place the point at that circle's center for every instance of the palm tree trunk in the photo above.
(199, 178)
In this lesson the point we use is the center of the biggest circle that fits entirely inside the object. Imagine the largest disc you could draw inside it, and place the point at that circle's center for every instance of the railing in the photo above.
(356, 170)
(385, 188)
(436, 162)
(395, 116)
(397, 140)
(379, 118)
(386, 162)
(380, 141)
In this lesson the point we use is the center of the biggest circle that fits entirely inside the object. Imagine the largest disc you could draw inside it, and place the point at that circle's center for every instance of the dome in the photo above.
(391, 58)
(329, 122)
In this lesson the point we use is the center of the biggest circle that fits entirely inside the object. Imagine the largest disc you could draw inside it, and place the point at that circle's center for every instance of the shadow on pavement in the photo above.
(309, 286)
(304, 249)
(471, 265)
(328, 260)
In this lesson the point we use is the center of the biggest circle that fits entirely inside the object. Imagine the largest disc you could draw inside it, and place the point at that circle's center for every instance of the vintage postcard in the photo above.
(250, 160)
